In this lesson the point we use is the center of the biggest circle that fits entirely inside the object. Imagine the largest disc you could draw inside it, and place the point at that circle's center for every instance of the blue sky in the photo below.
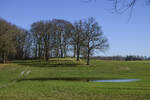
(125, 37)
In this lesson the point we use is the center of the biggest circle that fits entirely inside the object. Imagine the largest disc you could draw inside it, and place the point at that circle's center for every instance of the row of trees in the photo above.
(133, 58)
(122, 58)
(56, 38)
(51, 38)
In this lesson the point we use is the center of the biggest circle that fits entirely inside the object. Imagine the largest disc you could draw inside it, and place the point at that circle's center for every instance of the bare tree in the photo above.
(62, 36)
(47, 31)
(120, 6)
(123, 5)
(23, 44)
(37, 32)
(94, 37)
(77, 37)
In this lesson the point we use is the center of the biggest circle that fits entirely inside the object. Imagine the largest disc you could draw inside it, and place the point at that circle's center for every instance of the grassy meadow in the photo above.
(44, 80)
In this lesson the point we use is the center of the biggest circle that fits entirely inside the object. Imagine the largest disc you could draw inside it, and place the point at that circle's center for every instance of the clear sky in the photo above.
(125, 37)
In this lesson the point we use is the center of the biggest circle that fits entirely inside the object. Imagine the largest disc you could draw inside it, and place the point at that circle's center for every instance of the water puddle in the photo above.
(116, 80)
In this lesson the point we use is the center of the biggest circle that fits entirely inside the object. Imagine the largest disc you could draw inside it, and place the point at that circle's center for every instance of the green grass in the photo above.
(44, 88)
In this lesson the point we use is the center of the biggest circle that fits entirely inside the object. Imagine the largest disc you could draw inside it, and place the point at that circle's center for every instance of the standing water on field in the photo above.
(116, 80)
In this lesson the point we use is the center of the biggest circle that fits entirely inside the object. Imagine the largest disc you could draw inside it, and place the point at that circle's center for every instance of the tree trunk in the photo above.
(78, 48)
(78, 53)
(65, 52)
(47, 56)
(4, 57)
(61, 53)
(57, 52)
(1, 56)
(36, 50)
(74, 51)
(88, 57)
(39, 51)
(46, 52)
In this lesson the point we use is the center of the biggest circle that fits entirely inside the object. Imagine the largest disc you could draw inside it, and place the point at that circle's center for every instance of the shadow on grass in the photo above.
(47, 79)
(50, 65)
(63, 79)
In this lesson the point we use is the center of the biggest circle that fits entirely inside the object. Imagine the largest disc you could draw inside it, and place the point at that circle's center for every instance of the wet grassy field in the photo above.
(54, 80)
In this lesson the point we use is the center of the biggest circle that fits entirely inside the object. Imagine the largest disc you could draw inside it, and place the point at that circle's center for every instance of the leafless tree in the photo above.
(77, 37)
(37, 32)
(121, 6)
(94, 37)
(62, 36)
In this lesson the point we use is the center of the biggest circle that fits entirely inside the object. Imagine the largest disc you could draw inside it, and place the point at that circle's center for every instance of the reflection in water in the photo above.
(116, 80)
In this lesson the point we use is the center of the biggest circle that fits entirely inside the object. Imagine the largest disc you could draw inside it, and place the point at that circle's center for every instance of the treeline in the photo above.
(14, 42)
(51, 38)
(122, 58)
